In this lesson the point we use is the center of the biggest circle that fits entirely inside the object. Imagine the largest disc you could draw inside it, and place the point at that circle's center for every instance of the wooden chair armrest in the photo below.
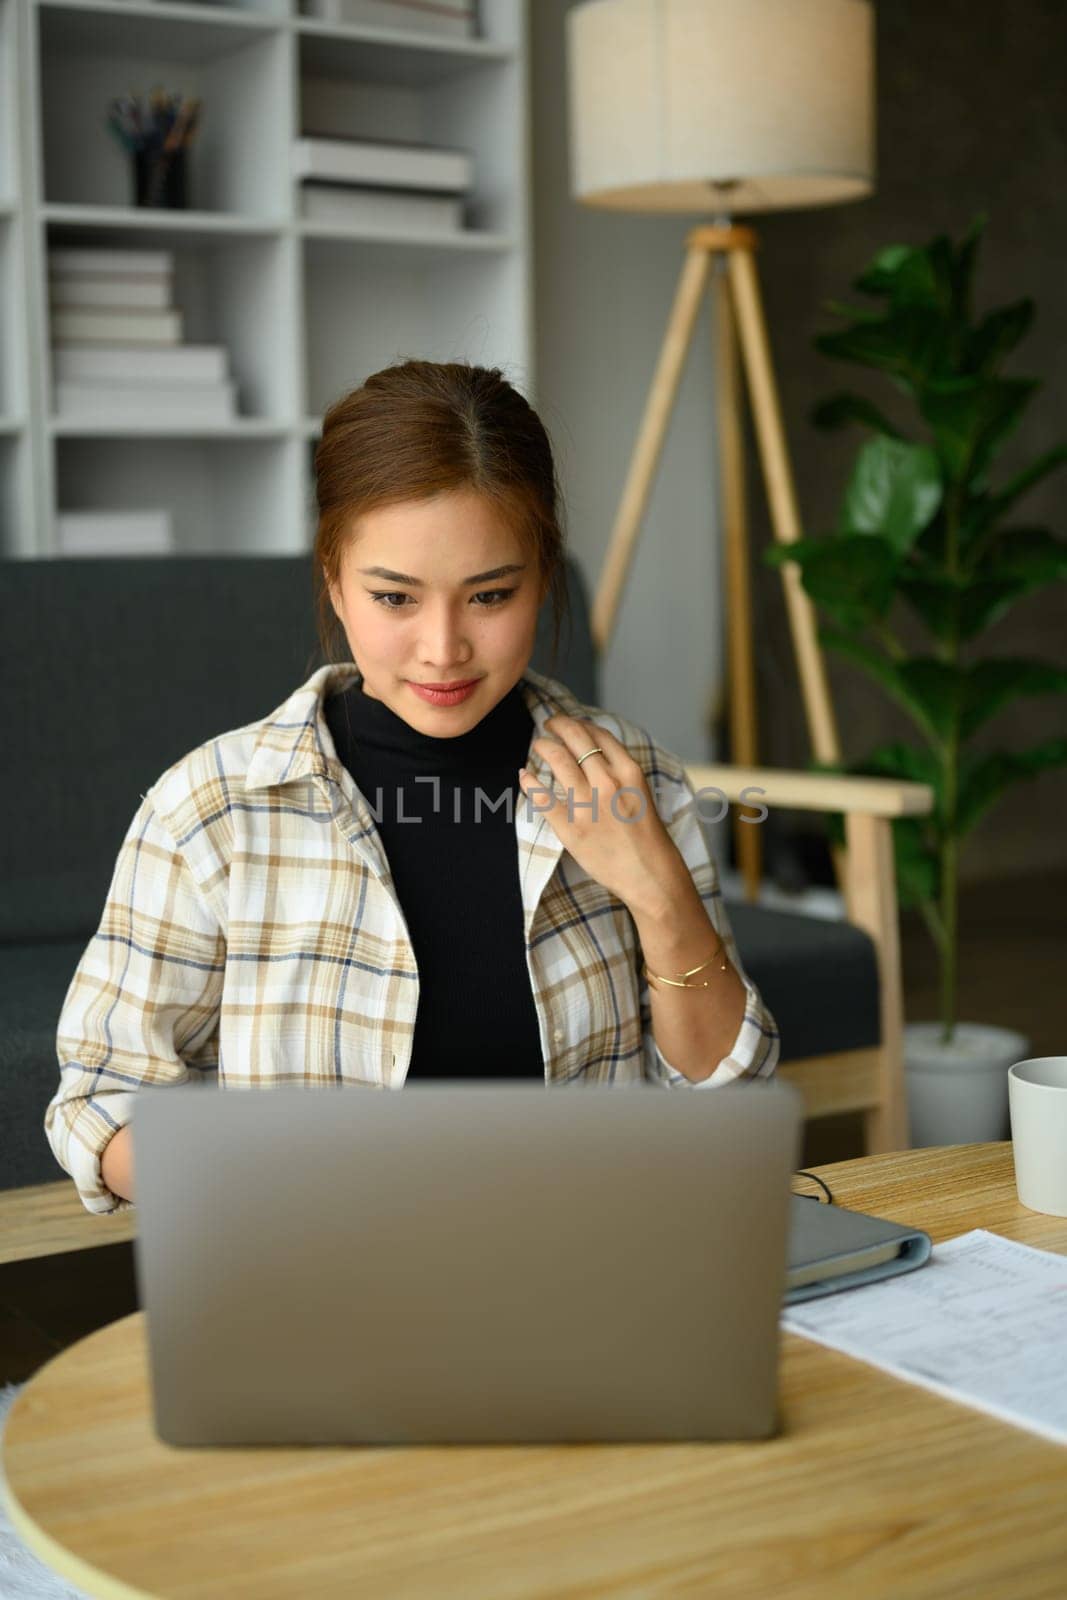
(814, 791)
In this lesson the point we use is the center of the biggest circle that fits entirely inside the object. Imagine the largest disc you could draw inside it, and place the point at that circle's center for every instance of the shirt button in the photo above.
(558, 1035)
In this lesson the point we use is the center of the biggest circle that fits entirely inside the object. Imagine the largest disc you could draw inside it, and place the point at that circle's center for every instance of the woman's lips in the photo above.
(451, 696)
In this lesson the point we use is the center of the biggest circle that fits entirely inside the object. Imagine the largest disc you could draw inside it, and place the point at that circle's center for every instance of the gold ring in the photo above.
(588, 753)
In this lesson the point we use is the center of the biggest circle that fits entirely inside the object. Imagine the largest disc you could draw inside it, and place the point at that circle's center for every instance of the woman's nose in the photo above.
(444, 642)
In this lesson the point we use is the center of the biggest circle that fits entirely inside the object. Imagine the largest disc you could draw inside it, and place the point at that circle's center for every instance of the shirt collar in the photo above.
(293, 741)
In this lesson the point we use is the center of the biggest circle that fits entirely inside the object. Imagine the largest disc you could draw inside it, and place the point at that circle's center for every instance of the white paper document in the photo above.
(983, 1322)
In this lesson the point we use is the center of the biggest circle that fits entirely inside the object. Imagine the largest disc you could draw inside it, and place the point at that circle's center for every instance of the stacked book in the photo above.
(454, 18)
(117, 352)
(392, 187)
(115, 533)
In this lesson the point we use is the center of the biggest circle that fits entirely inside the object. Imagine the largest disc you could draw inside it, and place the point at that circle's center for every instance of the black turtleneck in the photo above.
(456, 877)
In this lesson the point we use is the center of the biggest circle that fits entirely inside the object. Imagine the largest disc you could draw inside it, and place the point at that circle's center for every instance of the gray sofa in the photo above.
(113, 669)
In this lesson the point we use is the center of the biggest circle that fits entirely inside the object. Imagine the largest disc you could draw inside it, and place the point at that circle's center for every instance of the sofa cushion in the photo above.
(819, 978)
(34, 980)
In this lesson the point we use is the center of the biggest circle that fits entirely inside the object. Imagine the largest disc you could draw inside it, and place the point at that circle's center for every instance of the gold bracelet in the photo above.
(654, 977)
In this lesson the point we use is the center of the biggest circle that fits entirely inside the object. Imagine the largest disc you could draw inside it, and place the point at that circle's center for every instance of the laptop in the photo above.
(463, 1262)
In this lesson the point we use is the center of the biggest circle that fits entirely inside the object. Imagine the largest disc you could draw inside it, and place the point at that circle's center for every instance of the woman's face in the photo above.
(433, 592)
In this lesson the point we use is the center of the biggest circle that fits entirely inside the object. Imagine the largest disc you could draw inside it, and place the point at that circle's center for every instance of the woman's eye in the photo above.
(488, 599)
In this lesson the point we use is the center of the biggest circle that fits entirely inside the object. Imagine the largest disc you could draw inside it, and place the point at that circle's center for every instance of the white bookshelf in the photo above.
(17, 500)
(305, 309)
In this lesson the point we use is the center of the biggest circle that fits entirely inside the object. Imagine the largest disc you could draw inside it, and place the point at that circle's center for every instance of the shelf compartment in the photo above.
(238, 161)
(181, 33)
(237, 292)
(392, 55)
(439, 306)
(225, 495)
(338, 100)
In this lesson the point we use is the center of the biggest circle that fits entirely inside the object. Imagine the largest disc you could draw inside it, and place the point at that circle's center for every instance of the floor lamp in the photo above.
(723, 107)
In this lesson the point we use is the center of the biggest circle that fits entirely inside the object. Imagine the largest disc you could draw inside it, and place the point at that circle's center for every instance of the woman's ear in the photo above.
(334, 593)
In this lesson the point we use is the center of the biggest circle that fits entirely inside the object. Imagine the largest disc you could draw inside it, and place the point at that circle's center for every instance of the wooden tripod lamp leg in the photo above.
(646, 454)
(740, 658)
(785, 518)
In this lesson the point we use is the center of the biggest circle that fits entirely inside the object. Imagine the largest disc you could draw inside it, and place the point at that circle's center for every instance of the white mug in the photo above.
(1037, 1100)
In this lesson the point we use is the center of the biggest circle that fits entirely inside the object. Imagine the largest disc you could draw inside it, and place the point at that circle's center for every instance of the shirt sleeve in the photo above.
(142, 1007)
(754, 1053)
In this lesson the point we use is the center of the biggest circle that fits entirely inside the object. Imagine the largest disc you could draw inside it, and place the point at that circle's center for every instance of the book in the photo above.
(103, 401)
(139, 263)
(187, 363)
(100, 326)
(347, 206)
(392, 166)
(832, 1248)
(83, 290)
(125, 533)
(427, 16)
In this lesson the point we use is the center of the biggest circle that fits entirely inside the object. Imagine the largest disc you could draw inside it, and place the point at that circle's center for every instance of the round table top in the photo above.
(874, 1486)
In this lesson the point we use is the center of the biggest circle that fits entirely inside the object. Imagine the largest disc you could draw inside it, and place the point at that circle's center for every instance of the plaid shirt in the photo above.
(252, 934)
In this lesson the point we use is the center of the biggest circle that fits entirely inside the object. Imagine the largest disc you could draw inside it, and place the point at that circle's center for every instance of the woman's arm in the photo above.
(116, 1164)
(695, 1029)
(145, 999)
(673, 941)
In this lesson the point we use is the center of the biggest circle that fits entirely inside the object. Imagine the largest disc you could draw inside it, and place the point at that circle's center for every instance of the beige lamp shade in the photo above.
(721, 105)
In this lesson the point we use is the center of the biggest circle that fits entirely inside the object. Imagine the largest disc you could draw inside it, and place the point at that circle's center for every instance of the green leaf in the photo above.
(1024, 559)
(963, 267)
(1032, 554)
(894, 491)
(912, 344)
(909, 276)
(843, 308)
(972, 417)
(938, 687)
(984, 600)
(1024, 480)
(934, 598)
(879, 277)
(997, 334)
(991, 685)
(909, 695)
(851, 577)
(983, 781)
(841, 409)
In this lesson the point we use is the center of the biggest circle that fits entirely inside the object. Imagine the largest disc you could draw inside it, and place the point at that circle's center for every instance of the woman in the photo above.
(430, 860)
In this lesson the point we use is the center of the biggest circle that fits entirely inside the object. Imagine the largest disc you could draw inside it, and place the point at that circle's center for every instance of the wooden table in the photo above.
(874, 1488)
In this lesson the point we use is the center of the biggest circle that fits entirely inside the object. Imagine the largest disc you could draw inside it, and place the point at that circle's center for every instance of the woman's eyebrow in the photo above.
(417, 583)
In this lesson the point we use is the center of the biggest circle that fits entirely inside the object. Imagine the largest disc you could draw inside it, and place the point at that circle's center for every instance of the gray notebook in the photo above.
(831, 1248)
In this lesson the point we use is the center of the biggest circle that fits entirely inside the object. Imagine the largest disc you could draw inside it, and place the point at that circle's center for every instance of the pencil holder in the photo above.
(160, 179)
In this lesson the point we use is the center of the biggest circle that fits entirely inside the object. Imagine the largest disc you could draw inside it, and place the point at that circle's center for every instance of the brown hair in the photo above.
(417, 429)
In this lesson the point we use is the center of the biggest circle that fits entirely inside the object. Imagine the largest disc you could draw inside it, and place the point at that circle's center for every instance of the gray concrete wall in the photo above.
(972, 115)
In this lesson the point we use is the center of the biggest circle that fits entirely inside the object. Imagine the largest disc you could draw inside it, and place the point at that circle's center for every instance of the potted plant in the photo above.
(923, 524)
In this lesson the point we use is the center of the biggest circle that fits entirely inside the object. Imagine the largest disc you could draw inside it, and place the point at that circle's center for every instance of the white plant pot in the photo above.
(958, 1093)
